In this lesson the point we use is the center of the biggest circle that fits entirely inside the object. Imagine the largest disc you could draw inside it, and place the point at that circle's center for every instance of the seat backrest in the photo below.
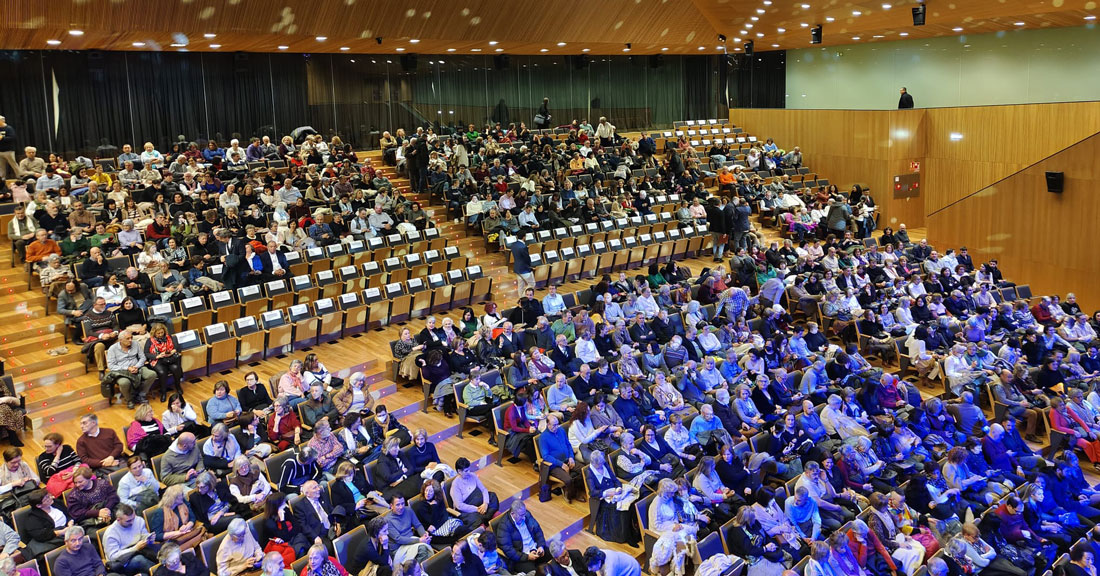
(642, 507)
(439, 563)
(349, 541)
(273, 383)
(209, 548)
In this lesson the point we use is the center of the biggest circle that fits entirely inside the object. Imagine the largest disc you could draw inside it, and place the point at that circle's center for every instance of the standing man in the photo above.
(906, 100)
(525, 276)
(542, 117)
(9, 168)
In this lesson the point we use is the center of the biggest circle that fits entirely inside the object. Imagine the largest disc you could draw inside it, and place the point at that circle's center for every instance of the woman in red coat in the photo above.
(283, 427)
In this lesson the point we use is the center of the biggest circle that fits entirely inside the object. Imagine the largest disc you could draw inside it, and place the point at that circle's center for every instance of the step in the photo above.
(33, 344)
(24, 326)
(41, 360)
(42, 399)
(63, 418)
(27, 379)
(15, 285)
(20, 300)
(34, 311)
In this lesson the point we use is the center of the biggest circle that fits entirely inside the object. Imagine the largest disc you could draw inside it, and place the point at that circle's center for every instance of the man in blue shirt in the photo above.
(552, 303)
(557, 453)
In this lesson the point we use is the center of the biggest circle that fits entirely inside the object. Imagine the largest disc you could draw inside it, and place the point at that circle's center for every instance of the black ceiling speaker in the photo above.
(815, 35)
(502, 62)
(656, 60)
(1055, 182)
(918, 15)
(408, 62)
(748, 48)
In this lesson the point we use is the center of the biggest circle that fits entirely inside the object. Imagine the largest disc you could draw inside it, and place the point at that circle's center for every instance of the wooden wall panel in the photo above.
(850, 147)
(1038, 237)
(996, 141)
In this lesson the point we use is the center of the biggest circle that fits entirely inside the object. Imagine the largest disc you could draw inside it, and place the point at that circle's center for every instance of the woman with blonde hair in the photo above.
(146, 434)
(173, 520)
(150, 260)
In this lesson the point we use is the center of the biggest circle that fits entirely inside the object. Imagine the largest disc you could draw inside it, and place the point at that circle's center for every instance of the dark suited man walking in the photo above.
(906, 100)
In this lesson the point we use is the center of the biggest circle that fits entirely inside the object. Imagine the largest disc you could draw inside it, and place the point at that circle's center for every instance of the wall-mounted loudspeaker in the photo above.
(1055, 182)
(918, 14)
(815, 35)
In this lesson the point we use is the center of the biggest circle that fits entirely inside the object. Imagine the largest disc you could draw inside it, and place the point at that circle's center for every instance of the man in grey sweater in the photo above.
(182, 463)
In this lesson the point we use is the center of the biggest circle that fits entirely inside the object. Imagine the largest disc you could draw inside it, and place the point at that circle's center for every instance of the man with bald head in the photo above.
(182, 463)
(126, 364)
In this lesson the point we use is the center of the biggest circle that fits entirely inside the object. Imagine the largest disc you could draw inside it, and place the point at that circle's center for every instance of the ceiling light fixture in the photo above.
(281, 47)
(886, 6)
(76, 32)
(177, 45)
(804, 25)
(759, 34)
(544, 50)
(665, 49)
(749, 26)
(215, 46)
(857, 13)
(903, 34)
(775, 45)
(878, 36)
(322, 38)
(957, 29)
(450, 49)
(701, 48)
(805, 6)
(499, 50)
(493, 42)
(1090, 17)
(138, 44)
(767, 2)
(209, 35)
(855, 37)
(754, 19)
(1020, 23)
(344, 48)
(53, 42)
(400, 49)
(475, 49)
(414, 41)
(760, 10)
(830, 19)
(781, 30)
(561, 43)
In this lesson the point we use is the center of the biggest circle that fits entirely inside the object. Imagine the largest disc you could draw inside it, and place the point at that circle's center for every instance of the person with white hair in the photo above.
(77, 558)
(239, 552)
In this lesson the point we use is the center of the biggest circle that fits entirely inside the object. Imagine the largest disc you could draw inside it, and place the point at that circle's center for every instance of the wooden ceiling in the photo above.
(508, 26)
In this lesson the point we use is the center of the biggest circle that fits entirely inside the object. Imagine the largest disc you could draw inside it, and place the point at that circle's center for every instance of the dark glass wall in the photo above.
(72, 102)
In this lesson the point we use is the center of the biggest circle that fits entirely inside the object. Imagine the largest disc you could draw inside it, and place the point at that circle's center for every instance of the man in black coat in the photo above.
(729, 217)
(565, 360)
(716, 221)
(231, 255)
(314, 513)
(906, 100)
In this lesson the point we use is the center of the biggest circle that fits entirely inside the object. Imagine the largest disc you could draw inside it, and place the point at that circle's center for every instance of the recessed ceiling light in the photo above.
(804, 25)
(344, 48)
(1090, 17)
(400, 49)
(957, 29)
(208, 35)
(561, 43)
(878, 36)
(138, 44)
(475, 49)
(181, 45)
(805, 6)
(322, 38)
(281, 46)
(414, 41)
(353, 60)
(781, 30)
(665, 49)
(743, 32)
(830, 19)
(1020, 23)
(747, 25)
(701, 48)
(53, 42)
(493, 42)
(736, 49)
(450, 49)
(760, 10)
(76, 32)
(886, 6)
(589, 50)
(767, 2)
(754, 19)
(759, 34)
(544, 49)
(855, 37)
(502, 50)
(903, 34)
(775, 45)
(215, 46)
(442, 62)
(736, 39)
(857, 13)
